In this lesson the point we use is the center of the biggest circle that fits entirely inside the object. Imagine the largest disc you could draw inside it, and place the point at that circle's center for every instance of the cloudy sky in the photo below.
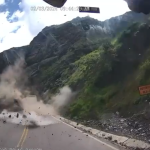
(19, 24)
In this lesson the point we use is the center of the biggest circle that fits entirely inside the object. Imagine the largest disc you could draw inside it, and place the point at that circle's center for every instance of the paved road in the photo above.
(58, 136)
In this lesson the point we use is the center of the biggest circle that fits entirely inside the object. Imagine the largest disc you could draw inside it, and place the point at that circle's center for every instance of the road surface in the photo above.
(57, 136)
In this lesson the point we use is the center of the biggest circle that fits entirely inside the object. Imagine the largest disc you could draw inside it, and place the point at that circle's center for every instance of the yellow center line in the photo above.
(23, 137)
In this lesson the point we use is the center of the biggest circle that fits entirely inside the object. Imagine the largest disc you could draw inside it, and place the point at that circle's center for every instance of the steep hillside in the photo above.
(104, 61)
(116, 71)
(56, 48)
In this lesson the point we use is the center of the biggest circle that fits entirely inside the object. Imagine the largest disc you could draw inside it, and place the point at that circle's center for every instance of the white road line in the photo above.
(114, 148)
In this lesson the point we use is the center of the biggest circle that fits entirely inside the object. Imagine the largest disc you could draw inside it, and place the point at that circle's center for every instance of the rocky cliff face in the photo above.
(80, 36)
(8, 57)
(110, 27)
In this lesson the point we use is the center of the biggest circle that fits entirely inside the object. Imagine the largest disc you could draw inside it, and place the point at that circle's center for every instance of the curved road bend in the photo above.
(58, 136)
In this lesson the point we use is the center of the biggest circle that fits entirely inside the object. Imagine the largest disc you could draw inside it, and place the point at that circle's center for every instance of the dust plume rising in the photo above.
(9, 81)
(13, 86)
(57, 103)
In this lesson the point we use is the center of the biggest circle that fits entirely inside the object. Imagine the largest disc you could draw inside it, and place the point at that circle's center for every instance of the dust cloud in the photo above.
(57, 103)
(15, 98)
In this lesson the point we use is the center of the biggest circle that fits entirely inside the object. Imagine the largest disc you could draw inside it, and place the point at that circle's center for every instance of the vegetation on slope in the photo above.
(106, 74)
(117, 69)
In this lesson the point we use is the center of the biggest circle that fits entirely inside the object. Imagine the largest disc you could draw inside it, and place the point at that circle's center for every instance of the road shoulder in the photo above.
(125, 142)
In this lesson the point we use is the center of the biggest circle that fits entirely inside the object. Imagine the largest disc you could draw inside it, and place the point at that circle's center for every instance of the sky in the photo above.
(19, 24)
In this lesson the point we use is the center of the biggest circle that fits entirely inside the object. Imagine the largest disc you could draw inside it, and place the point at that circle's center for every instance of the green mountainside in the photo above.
(104, 62)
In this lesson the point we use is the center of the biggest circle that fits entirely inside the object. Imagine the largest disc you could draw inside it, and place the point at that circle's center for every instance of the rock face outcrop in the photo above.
(8, 57)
